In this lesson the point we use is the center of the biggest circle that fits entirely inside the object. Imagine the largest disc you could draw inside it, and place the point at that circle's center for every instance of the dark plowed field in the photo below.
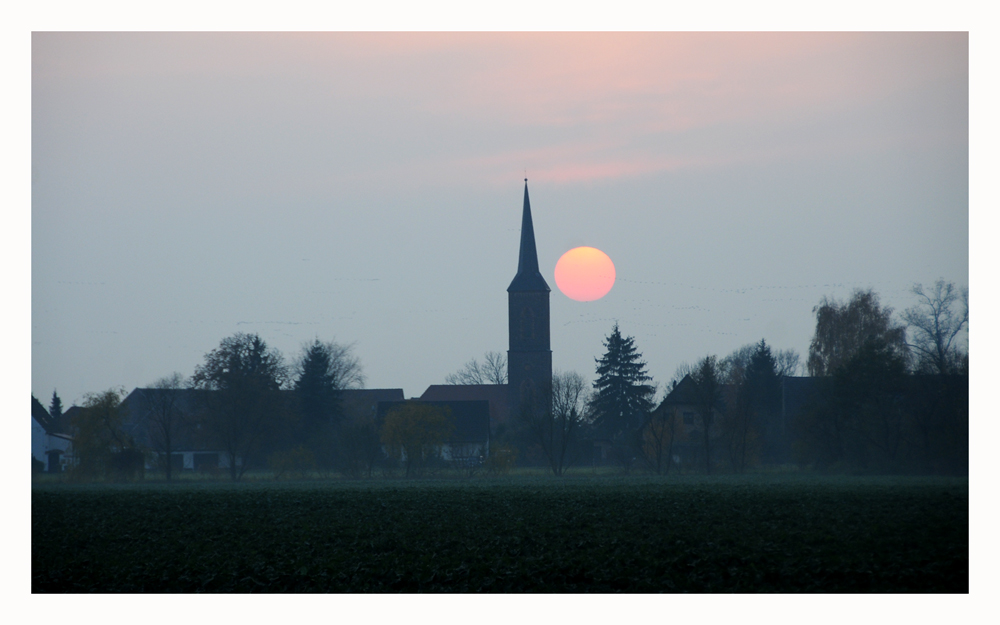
(599, 535)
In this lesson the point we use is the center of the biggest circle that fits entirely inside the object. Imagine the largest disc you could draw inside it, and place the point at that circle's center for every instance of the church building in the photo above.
(477, 409)
(529, 355)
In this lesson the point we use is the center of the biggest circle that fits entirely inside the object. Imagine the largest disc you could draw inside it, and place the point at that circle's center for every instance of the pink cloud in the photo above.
(669, 80)
(657, 80)
(604, 105)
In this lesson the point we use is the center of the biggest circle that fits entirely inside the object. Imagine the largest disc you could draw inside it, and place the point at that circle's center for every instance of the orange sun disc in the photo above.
(585, 274)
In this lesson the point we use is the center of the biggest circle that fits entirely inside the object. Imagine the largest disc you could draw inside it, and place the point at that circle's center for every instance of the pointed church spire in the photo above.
(528, 277)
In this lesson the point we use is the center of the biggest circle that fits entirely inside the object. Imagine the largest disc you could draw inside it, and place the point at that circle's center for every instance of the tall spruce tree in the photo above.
(318, 394)
(762, 381)
(323, 371)
(622, 399)
(55, 408)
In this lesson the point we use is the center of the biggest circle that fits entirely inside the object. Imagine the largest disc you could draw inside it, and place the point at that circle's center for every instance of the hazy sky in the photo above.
(367, 188)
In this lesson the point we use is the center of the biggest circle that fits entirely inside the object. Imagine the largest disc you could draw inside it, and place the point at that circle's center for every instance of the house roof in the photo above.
(358, 402)
(41, 415)
(799, 392)
(373, 394)
(58, 425)
(64, 421)
(686, 394)
(189, 402)
(496, 394)
(471, 418)
(528, 278)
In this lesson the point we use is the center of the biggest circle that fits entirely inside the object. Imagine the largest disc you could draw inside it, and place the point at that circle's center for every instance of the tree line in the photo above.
(891, 396)
(244, 400)
(248, 403)
(882, 394)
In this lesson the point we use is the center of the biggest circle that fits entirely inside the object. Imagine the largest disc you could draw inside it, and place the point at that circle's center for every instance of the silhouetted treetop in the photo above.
(55, 408)
(934, 325)
(841, 330)
(493, 370)
(240, 360)
(622, 399)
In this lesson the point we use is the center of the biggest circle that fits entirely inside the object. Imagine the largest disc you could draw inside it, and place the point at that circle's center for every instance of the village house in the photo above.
(193, 449)
(51, 441)
(469, 442)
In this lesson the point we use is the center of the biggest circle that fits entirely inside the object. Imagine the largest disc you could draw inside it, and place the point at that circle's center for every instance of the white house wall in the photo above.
(445, 452)
(470, 450)
(61, 443)
(38, 441)
(187, 463)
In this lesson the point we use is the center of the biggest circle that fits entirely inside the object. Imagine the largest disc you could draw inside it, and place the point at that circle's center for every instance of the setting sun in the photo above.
(585, 274)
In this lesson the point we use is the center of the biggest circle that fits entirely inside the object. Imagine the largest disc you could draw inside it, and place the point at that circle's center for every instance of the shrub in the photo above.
(298, 461)
(501, 460)
(127, 465)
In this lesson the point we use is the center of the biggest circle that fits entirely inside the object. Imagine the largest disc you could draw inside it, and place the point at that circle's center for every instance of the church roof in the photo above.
(528, 277)
(496, 394)
(470, 418)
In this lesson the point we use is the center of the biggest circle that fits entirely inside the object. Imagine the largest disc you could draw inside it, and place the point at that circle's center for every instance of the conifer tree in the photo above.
(324, 370)
(316, 388)
(762, 381)
(55, 408)
(622, 399)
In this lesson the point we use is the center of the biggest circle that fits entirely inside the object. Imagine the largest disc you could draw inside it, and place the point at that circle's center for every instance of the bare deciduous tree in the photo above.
(737, 418)
(788, 362)
(737, 361)
(661, 430)
(682, 370)
(556, 428)
(708, 387)
(493, 370)
(934, 325)
(752, 395)
(164, 419)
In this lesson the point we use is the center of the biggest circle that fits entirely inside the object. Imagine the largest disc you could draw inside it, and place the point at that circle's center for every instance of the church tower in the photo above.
(529, 357)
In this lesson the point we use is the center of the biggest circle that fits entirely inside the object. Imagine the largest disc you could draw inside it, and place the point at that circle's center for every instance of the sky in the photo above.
(367, 188)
